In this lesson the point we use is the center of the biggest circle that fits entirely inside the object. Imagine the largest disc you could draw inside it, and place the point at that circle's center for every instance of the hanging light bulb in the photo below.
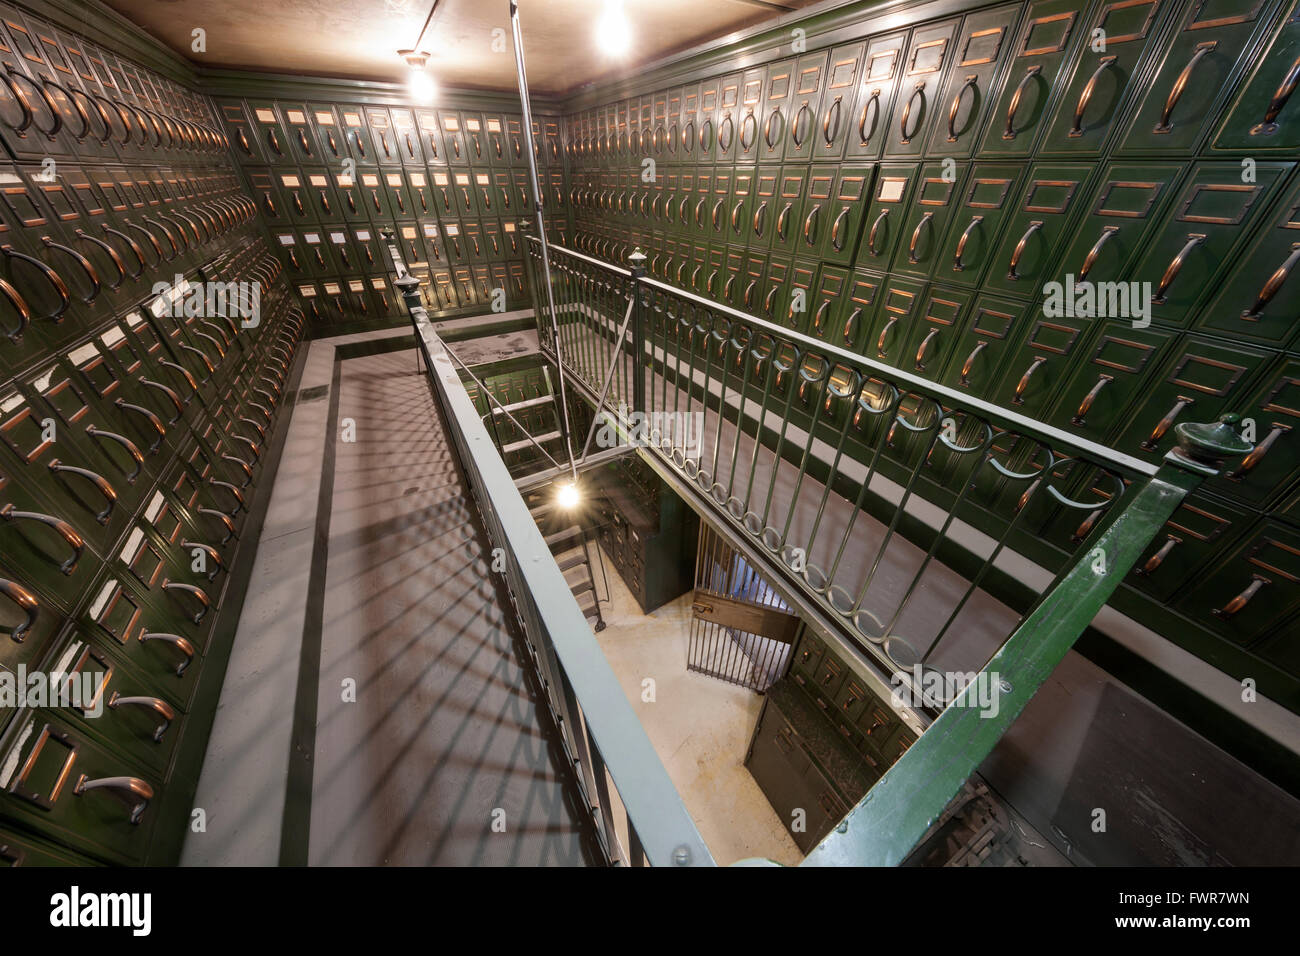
(419, 81)
(613, 32)
(567, 495)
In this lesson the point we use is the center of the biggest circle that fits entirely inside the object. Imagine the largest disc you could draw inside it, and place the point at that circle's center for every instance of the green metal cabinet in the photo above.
(984, 46)
(922, 229)
(878, 85)
(986, 200)
(1264, 117)
(1037, 227)
(883, 223)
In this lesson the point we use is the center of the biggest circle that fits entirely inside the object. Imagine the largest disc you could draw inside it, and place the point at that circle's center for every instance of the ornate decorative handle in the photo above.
(957, 264)
(1034, 226)
(1180, 85)
(1249, 463)
(905, 136)
(126, 443)
(1241, 600)
(1014, 106)
(86, 266)
(1171, 271)
(972, 83)
(1273, 284)
(156, 704)
(103, 487)
(26, 602)
(872, 101)
(61, 527)
(1157, 559)
(1090, 259)
(926, 220)
(1279, 101)
(920, 352)
(1085, 406)
(20, 306)
(1023, 384)
(65, 298)
(837, 243)
(1086, 96)
(1163, 426)
(875, 228)
(198, 593)
(809, 230)
(129, 787)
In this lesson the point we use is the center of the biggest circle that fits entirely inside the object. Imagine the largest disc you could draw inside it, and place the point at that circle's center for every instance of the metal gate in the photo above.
(741, 631)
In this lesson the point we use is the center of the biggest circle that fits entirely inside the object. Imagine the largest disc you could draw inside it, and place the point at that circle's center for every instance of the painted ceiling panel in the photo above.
(359, 38)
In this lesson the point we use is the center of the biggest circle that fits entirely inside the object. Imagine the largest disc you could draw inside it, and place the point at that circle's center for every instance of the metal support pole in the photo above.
(638, 330)
(522, 76)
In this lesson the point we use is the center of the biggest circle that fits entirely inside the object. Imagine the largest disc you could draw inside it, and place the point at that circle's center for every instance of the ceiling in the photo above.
(358, 39)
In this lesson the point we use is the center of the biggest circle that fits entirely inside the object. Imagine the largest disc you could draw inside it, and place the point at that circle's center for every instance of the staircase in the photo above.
(569, 543)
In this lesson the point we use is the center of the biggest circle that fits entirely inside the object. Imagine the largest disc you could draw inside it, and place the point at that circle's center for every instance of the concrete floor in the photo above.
(699, 726)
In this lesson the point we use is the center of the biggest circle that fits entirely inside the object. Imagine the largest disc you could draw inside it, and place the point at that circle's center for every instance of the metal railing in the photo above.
(858, 482)
(641, 819)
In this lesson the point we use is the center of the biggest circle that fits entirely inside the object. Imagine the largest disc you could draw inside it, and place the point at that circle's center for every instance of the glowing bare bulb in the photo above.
(421, 85)
(613, 32)
(568, 496)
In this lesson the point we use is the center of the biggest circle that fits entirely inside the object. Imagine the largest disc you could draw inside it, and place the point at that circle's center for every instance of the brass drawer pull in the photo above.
(61, 527)
(126, 443)
(127, 787)
(920, 352)
(783, 220)
(1080, 416)
(302, 139)
(198, 593)
(1165, 423)
(1086, 96)
(102, 486)
(1090, 259)
(274, 141)
(1273, 284)
(1175, 266)
(957, 264)
(65, 298)
(156, 704)
(829, 133)
(760, 216)
(20, 306)
(972, 83)
(175, 640)
(1241, 600)
(26, 602)
(809, 225)
(1023, 384)
(132, 244)
(905, 136)
(95, 286)
(1034, 226)
(1157, 559)
(154, 421)
(875, 228)
(1279, 101)
(171, 394)
(837, 241)
(926, 220)
(774, 118)
(1180, 85)
(872, 103)
(1251, 461)
(1014, 106)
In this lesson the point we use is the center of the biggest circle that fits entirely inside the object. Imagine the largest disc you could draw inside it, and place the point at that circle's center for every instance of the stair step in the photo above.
(520, 406)
(572, 531)
(577, 560)
(528, 443)
(582, 587)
